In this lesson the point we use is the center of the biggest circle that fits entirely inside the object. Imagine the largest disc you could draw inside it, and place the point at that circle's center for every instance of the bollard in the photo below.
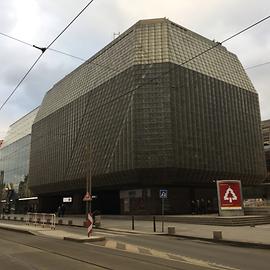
(15, 218)
(154, 223)
(132, 223)
(70, 222)
(217, 235)
(60, 221)
(171, 230)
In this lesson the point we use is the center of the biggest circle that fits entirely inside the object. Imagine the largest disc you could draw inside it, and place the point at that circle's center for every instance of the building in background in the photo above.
(15, 155)
(266, 141)
(261, 193)
(153, 119)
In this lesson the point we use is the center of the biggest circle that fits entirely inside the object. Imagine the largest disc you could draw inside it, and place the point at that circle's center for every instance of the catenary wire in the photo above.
(20, 82)
(60, 52)
(258, 65)
(16, 39)
(87, 5)
(84, 60)
(43, 50)
(36, 47)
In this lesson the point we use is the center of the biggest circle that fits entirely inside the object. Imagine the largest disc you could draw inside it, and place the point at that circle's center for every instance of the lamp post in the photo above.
(88, 179)
(1, 189)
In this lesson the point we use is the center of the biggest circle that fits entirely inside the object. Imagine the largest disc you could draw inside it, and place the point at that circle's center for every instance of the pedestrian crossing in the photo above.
(135, 249)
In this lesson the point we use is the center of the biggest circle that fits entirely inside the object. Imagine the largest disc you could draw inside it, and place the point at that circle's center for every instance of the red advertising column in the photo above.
(230, 197)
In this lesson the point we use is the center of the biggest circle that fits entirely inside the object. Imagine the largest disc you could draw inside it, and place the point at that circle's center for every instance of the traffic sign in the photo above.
(87, 197)
(163, 194)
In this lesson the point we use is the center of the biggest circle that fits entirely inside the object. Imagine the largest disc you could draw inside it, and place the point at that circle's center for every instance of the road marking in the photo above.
(144, 251)
(112, 244)
(132, 248)
(120, 246)
(160, 254)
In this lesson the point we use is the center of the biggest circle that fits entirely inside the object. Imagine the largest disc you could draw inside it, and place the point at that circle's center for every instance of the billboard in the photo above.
(230, 194)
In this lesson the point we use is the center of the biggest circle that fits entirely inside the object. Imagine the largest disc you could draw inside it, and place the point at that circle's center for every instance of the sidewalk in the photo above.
(258, 236)
(59, 233)
(243, 236)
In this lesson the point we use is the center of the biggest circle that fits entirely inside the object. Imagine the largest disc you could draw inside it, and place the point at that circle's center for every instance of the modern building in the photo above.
(266, 142)
(149, 111)
(15, 151)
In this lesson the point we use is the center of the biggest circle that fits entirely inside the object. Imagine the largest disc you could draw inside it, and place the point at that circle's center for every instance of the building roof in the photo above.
(21, 128)
(146, 42)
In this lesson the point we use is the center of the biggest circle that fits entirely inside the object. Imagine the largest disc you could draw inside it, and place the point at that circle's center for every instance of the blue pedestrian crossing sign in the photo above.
(163, 194)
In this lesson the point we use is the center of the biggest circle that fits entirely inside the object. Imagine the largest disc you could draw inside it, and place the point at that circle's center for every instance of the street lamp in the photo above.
(88, 194)
(1, 188)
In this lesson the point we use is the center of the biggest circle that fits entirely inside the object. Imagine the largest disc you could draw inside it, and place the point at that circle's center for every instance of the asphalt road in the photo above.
(125, 251)
(24, 252)
(213, 253)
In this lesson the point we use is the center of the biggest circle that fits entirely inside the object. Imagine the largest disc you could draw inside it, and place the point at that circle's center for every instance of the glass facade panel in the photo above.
(15, 150)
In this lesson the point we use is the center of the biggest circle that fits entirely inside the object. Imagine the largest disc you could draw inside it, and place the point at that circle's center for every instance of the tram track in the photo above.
(139, 259)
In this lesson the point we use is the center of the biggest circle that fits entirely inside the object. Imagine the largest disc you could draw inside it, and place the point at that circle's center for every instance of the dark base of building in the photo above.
(145, 201)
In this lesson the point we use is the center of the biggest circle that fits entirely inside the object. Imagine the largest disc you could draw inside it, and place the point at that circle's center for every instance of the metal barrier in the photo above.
(41, 218)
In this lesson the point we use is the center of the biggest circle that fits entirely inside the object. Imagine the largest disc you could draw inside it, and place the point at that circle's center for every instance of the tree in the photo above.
(230, 195)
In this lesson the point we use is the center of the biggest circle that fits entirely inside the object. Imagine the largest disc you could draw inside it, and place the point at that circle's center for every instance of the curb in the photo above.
(17, 230)
(130, 231)
(224, 241)
(82, 240)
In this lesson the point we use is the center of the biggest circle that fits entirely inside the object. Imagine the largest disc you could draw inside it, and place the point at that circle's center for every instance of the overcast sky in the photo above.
(40, 21)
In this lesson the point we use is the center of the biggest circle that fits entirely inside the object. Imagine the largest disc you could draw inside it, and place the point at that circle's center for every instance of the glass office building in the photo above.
(15, 150)
(154, 115)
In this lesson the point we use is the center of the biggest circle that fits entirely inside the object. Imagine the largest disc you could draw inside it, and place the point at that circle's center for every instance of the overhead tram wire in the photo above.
(258, 65)
(36, 47)
(60, 52)
(16, 39)
(84, 60)
(42, 52)
(20, 82)
(185, 62)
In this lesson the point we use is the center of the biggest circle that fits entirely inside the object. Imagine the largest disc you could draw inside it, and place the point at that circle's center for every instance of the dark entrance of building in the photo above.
(106, 202)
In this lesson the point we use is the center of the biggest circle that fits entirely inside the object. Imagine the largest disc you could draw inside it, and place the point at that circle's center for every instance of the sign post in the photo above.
(163, 194)
(230, 198)
(89, 224)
